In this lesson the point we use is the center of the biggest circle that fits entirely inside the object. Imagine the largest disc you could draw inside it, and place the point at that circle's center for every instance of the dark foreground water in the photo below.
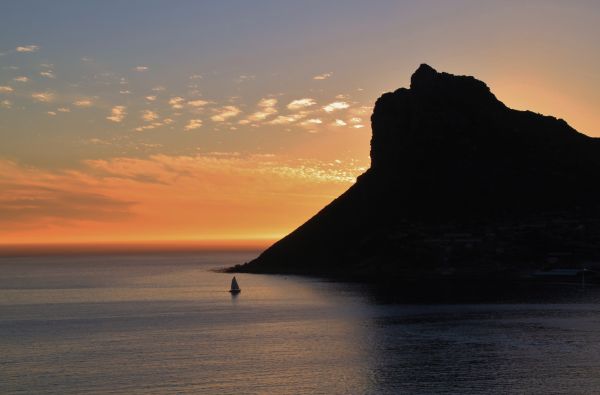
(163, 324)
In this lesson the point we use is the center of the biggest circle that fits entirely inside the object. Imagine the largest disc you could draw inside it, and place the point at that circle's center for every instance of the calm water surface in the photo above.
(157, 324)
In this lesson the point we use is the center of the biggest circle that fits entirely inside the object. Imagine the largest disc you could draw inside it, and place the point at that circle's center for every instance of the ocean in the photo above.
(165, 324)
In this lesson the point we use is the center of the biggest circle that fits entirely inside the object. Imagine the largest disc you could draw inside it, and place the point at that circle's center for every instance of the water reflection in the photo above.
(166, 324)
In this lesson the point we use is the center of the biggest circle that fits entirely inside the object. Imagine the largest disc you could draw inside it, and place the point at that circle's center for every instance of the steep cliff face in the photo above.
(449, 159)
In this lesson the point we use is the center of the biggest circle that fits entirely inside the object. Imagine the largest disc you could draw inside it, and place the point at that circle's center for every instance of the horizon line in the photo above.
(131, 247)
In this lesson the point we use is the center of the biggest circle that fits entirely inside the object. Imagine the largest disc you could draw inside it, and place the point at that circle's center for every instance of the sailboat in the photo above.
(235, 288)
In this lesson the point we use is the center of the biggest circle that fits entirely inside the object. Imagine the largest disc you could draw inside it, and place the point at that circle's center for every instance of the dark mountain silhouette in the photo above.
(460, 186)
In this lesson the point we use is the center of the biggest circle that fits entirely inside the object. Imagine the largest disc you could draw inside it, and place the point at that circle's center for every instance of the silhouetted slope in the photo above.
(459, 185)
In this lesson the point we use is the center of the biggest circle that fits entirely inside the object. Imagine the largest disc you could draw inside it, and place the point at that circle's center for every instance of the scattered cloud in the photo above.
(339, 122)
(51, 113)
(358, 126)
(27, 48)
(193, 124)
(117, 114)
(301, 103)
(244, 78)
(44, 97)
(6, 104)
(48, 74)
(197, 103)
(159, 88)
(6, 89)
(224, 113)
(288, 119)
(149, 116)
(21, 78)
(312, 121)
(83, 103)
(267, 108)
(196, 77)
(141, 68)
(125, 92)
(151, 98)
(176, 102)
(323, 76)
(63, 109)
(337, 105)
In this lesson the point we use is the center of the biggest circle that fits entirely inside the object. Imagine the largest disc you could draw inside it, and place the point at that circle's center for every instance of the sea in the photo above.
(166, 324)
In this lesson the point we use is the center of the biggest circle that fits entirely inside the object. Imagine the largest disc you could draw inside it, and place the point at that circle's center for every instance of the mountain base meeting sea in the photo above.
(166, 323)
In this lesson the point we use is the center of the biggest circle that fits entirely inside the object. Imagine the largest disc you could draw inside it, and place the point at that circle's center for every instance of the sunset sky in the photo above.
(239, 120)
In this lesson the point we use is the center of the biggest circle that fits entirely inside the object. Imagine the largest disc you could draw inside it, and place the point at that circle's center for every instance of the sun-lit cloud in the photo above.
(266, 109)
(323, 76)
(196, 77)
(149, 116)
(358, 126)
(6, 103)
(224, 113)
(117, 114)
(27, 48)
(150, 98)
(301, 103)
(83, 102)
(339, 122)
(193, 124)
(197, 103)
(338, 105)
(312, 121)
(141, 68)
(21, 78)
(6, 89)
(63, 109)
(52, 113)
(48, 74)
(288, 119)
(44, 97)
(176, 102)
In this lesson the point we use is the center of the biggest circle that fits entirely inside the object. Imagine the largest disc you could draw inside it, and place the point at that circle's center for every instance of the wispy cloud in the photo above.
(151, 98)
(244, 78)
(193, 124)
(117, 114)
(21, 78)
(6, 89)
(197, 103)
(6, 103)
(44, 97)
(339, 122)
(288, 119)
(83, 102)
(141, 68)
(224, 113)
(48, 74)
(337, 105)
(301, 103)
(27, 48)
(323, 76)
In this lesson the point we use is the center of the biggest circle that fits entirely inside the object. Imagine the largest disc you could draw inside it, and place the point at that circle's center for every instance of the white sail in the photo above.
(234, 285)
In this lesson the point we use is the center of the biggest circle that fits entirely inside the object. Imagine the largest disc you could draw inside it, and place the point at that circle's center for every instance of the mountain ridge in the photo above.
(449, 159)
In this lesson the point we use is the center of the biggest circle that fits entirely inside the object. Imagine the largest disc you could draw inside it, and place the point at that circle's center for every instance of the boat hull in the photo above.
(235, 291)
